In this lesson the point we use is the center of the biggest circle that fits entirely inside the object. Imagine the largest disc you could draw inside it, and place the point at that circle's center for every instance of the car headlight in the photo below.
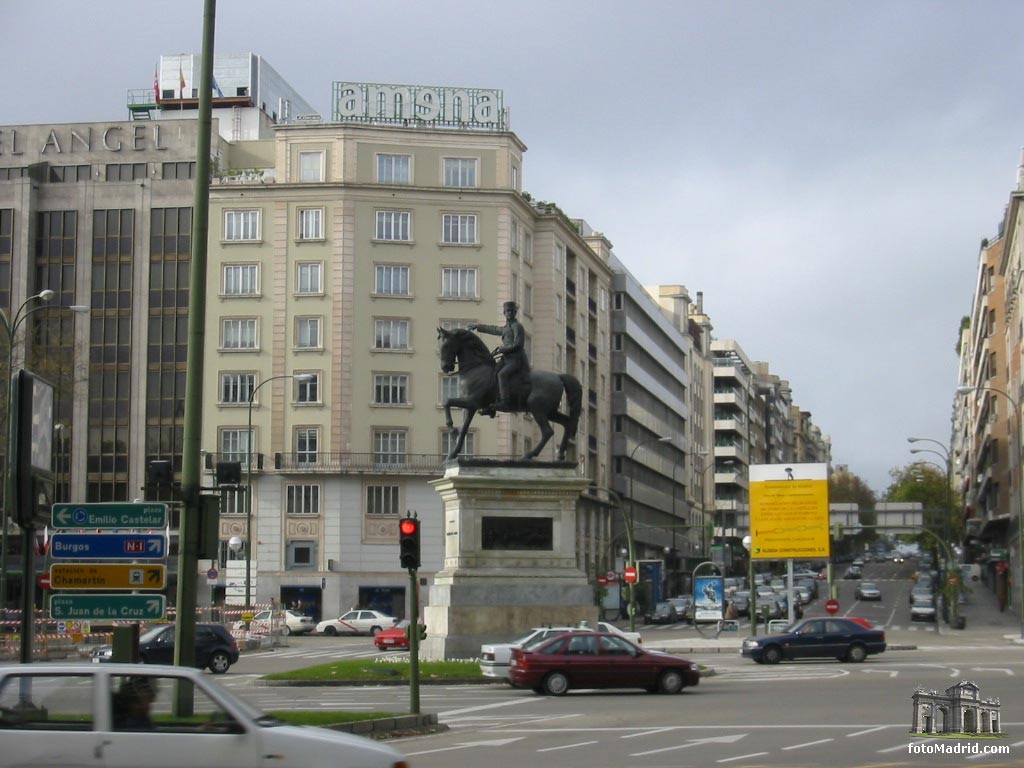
(751, 644)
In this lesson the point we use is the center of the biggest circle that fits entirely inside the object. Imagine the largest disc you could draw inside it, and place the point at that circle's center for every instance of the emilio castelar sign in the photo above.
(435, 105)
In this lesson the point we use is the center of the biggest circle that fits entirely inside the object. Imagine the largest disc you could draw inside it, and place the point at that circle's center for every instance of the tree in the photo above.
(927, 484)
(844, 487)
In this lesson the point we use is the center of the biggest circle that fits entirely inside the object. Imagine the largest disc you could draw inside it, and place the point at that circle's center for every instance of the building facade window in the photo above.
(391, 389)
(391, 280)
(307, 333)
(236, 388)
(460, 171)
(311, 166)
(234, 444)
(394, 169)
(69, 173)
(238, 333)
(391, 334)
(449, 438)
(383, 499)
(309, 277)
(458, 229)
(311, 223)
(302, 499)
(241, 279)
(308, 390)
(449, 387)
(527, 248)
(179, 170)
(242, 226)
(126, 171)
(458, 283)
(307, 444)
(301, 556)
(389, 446)
(393, 225)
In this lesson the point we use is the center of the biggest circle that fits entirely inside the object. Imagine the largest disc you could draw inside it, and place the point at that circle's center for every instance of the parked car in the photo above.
(741, 602)
(816, 638)
(663, 613)
(216, 649)
(803, 593)
(922, 608)
(79, 714)
(394, 638)
(356, 622)
(290, 622)
(868, 590)
(598, 660)
(919, 591)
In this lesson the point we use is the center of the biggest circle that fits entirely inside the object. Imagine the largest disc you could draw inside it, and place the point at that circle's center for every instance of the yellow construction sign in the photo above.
(107, 576)
(789, 511)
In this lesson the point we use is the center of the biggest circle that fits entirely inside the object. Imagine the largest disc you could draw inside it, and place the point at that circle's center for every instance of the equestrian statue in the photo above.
(506, 385)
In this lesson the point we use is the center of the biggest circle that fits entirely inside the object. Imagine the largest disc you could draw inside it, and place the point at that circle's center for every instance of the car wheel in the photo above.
(329, 630)
(375, 631)
(556, 684)
(288, 630)
(219, 662)
(772, 655)
(671, 681)
(856, 654)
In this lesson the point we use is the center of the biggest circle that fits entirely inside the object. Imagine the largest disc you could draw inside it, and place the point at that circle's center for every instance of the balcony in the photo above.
(342, 463)
(592, 396)
(570, 336)
(570, 287)
(592, 351)
(592, 306)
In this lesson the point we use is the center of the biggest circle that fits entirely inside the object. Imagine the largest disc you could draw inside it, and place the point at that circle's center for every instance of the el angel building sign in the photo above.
(435, 105)
(789, 511)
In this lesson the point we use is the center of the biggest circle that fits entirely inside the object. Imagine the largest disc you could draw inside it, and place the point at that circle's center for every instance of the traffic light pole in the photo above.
(414, 642)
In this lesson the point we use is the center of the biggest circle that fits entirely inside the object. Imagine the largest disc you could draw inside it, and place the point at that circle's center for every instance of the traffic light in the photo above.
(409, 543)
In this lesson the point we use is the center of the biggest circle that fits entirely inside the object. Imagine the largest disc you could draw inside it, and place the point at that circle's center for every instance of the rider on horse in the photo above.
(513, 368)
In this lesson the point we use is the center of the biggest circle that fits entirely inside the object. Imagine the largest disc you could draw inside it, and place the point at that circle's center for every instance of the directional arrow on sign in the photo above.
(155, 576)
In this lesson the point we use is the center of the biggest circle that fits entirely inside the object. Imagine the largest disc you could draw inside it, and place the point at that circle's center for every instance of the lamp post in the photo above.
(947, 460)
(10, 326)
(629, 528)
(965, 390)
(248, 479)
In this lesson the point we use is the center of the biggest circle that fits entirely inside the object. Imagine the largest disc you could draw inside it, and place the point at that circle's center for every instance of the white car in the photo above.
(356, 623)
(124, 716)
(495, 657)
(290, 622)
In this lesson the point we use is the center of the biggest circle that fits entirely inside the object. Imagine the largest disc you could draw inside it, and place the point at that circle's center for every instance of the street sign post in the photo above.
(100, 607)
(108, 546)
(107, 576)
(124, 515)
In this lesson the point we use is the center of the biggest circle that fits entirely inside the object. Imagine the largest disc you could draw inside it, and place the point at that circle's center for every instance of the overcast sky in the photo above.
(822, 171)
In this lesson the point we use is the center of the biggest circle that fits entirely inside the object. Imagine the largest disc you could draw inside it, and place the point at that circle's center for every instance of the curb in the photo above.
(386, 727)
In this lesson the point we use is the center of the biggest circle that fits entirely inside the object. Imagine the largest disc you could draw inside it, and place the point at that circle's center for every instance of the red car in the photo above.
(598, 660)
(393, 638)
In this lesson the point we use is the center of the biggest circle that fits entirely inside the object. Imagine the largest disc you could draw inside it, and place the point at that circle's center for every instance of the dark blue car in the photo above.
(817, 638)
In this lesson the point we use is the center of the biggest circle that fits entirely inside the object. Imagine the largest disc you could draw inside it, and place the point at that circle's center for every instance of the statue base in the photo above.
(510, 556)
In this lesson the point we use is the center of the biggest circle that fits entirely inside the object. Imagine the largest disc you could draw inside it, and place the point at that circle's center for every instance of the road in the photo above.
(817, 713)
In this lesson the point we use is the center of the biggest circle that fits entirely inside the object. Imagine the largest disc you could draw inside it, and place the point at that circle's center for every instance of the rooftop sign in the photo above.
(473, 108)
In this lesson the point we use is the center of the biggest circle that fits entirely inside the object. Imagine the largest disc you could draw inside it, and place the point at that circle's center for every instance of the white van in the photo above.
(970, 574)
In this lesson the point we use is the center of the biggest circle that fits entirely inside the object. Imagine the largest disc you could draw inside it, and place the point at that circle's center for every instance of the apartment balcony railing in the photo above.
(409, 463)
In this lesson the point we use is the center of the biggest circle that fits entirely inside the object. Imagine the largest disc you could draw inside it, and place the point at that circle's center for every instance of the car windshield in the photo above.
(541, 637)
(152, 633)
(867, 585)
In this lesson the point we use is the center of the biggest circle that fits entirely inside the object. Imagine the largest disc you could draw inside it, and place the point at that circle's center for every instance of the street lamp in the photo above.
(629, 528)
(965, 390)
(10, 326)
(248, 479)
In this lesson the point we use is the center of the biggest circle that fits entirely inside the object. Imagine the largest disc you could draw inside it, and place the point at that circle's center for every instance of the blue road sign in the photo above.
(108, 546)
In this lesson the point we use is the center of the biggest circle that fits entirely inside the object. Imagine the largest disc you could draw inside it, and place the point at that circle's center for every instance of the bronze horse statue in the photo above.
(478, 386)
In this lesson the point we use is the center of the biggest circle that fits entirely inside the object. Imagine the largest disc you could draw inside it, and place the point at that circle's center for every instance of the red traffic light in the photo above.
(408, 526)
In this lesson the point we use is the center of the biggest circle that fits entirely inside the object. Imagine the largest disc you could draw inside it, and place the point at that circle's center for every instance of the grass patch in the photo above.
(320, 717)
(371, 670)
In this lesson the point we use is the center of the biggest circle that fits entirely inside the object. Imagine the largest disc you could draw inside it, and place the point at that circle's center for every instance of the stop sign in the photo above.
(629, 574)
(831, 606)
(43, 580)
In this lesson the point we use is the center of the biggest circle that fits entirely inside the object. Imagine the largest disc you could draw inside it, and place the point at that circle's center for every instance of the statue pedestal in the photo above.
(510, 556)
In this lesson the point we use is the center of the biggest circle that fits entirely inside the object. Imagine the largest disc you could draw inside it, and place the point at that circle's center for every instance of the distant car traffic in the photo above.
(126, 715)
(290, 622)
(598, 660)
(816, 638)
(853, 572)
(663, 613)
(215, 648)
(922, 608)
(495, 657)
(356, 622)
(868, 590)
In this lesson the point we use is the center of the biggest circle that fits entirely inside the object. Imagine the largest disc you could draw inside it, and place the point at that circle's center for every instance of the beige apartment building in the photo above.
(337, 250)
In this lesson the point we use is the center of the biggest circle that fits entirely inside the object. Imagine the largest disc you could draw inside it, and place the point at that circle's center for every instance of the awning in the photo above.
(995, 529)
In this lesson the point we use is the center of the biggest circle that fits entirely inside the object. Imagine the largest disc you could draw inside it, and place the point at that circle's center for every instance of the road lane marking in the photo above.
(807, 744)
(496, 705)
(741, 757)
(1008, 672)
(649, 732)
(569, 746)
(869, 730)
(694, 743)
